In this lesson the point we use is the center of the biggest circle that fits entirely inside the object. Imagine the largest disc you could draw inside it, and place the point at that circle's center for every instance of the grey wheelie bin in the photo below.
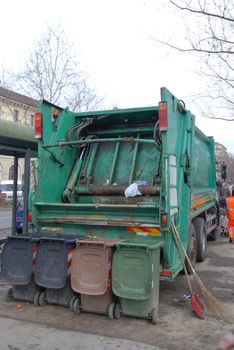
(135, 277)
(91, 276)
(53, 268)
(18, 261)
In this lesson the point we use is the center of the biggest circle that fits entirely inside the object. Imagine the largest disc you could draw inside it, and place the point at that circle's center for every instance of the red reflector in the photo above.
(163, 116)
(29, 217)
(164, 220)
(165, 273)
(38, 125)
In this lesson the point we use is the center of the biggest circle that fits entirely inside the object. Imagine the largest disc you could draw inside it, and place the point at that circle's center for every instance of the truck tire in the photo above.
(201, 237)
(191, 249)
(213, 235)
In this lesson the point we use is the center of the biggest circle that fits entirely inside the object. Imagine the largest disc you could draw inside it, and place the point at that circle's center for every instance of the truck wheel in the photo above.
(213, 235)
(201, 236)
(191, 249)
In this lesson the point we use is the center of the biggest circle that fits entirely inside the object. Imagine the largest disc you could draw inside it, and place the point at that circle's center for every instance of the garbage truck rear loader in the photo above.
(124, 174)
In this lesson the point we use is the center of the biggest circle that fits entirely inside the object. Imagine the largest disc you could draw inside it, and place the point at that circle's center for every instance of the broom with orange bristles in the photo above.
(215, 307)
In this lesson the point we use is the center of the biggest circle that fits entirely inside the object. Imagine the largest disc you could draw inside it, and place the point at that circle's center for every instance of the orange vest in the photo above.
(230, 208)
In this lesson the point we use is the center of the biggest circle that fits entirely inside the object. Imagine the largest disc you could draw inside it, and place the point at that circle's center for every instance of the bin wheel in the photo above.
(42, 299)
(154, 316)
(71, 302)
(36, 298)
(76, 306)
(9, 295)
(111, 311)
(117, 311)
(201, 237)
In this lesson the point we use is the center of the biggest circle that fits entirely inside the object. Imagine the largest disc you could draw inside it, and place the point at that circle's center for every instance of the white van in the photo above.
(6, 187)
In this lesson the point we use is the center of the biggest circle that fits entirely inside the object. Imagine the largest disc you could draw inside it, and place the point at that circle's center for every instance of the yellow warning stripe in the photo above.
(151, 231)
(201, 202)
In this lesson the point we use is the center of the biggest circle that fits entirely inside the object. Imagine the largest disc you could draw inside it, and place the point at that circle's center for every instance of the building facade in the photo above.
(19, 109)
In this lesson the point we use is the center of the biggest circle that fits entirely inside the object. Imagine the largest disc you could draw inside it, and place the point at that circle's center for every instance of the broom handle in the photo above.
(183, 263)
(182, 246)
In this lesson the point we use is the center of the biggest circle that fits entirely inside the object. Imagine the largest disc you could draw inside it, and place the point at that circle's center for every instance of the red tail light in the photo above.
(29, 216)
(163, 116)
(164, 220)
(38, 125)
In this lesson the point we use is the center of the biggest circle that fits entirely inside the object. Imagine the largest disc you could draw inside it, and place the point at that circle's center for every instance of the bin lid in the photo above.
(18, 239)
(140, 243)
(98, 242)
(132, 274)
(17, 261)
(56, 238)
(90, 268)
(51, 265)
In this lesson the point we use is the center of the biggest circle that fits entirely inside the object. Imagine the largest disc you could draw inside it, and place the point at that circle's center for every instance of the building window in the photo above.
(16, 115)
(11, 172)
(31, 119)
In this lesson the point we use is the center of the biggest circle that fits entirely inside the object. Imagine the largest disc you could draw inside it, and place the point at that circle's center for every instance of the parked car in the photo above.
(6, 188)
(20, 215)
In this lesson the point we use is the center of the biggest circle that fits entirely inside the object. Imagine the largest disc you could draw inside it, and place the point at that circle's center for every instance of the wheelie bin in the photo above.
(52, 270)
(135, 277)
(18, 261)
(91, 276)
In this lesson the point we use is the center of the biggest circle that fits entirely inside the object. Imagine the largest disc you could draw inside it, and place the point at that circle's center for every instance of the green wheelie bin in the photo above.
(135, 277)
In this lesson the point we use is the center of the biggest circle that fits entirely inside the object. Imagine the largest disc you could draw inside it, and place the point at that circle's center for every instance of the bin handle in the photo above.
(144, 245)
(91, 243)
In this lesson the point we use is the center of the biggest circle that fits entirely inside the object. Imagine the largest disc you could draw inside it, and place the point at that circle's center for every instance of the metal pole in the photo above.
(14, 202)
(121, 139)
(26, 190)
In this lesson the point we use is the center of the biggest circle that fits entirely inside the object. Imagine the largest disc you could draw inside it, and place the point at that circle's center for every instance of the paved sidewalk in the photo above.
(21, 335)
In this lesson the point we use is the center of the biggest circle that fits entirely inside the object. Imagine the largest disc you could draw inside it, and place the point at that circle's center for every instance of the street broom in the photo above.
(215, 307)
(196, 304)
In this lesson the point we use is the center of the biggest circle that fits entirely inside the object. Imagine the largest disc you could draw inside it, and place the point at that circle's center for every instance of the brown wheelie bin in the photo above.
(91, 276)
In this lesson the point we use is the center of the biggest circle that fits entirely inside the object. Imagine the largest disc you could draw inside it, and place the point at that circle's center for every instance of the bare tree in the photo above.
(83, 98)
(209, 28)
(52, 72)
(7, 78)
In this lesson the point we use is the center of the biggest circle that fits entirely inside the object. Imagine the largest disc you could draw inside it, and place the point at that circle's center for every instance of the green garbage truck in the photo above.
(124, 174)
(86, 161)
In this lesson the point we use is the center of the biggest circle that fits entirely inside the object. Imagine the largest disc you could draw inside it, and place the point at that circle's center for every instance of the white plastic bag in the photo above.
(132, 191)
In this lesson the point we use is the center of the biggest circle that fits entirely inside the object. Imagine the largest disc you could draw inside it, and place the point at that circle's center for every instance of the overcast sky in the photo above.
(114, 39)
